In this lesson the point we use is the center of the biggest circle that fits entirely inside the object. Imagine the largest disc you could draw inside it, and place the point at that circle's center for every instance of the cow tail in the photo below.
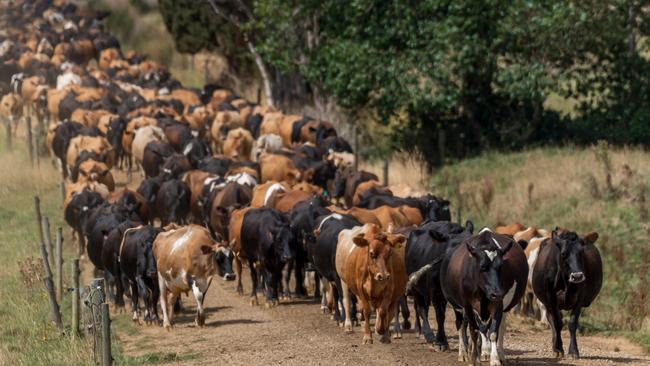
(415, 276)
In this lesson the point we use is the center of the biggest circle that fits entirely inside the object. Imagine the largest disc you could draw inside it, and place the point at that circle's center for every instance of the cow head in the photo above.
(340, 177)
(570, 258)
(222, 256)
(488, 254)
(436, 209)
(380, 247)
(280, 236)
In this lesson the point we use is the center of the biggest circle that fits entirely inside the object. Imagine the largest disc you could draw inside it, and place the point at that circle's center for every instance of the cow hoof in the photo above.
(439, 347)
(240, 290)
(347, 328)
(325, 310)
(167, 326)
(406, 324)
(558, 354)
(574, 356)
(495, 363)
(367, 339)
(462, 357)
(254, 302)
(397, 335)
(485, 357)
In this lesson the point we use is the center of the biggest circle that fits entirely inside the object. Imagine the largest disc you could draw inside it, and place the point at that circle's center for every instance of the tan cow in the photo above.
(271, 123)
(534, 238)
(371, 266)
(11, 109)
(95, 171)
(234, 234)
(227, 120)
(262, 193)
(96, 144)
(238, 144)
(142, 137)
(285, 201)
(286, 128)
(187, 259)
(510, 230)
(279, 168)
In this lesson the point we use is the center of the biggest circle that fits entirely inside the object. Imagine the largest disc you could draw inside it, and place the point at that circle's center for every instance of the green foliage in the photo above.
(191, 23)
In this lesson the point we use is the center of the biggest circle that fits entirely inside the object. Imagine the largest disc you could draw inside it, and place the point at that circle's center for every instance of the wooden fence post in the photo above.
(62, 190)
(47, 236)
(55, 313)
(30, 142)
(385, 171)
(107, 358)
(75, 297)
(58, 263)
(39, 218)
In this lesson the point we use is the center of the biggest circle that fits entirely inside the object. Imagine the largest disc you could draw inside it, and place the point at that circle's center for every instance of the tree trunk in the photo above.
(263, 73)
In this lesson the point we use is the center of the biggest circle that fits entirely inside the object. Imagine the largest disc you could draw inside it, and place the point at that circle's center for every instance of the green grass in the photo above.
(568, 188)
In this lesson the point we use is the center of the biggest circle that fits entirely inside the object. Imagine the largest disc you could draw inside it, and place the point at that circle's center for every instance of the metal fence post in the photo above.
(75, 297)
(107, 358)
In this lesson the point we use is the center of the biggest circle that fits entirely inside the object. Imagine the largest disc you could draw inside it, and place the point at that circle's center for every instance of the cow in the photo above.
(143, 136)
(483, 278)
(239, 144)
(95, 171)
(262, 193)
(370, 264)
(132, 201)
(567, 275)
(110, 253)
(345, 184)
(321, 251)
(367, 188)
(533, 238)
(96, 144)
(266, 144)
(221, 203)
(264, 241)
(510, 230)
(425, 248)
(186, 259)
(430, 206)
(172, 202)
(138, 265)
(285, 201)
(279, 168)
(77, 209)
(154, 155)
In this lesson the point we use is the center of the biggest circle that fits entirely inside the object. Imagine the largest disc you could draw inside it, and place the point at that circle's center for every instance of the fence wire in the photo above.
(93, 296)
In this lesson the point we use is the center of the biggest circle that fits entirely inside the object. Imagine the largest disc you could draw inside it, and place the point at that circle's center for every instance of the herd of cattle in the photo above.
(227, 182)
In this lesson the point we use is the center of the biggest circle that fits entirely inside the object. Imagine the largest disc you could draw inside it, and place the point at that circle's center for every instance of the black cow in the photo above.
(114, 135)
(220, 204)
(84, 155)
(215, 165)
(321, 251)
(138, 266)
(99, 224)
(63, 133)
(430, 206)
(173, 202)
(77, 212)
(425, 248)
(335, 143)
(303, 220)
(345, 184)
(110, 261)
(568, 275)
(483, 278)
(174, 166)
(149, 190)
(266, 238)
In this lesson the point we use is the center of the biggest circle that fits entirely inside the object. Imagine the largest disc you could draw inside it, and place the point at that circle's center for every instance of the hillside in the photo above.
(568, 187)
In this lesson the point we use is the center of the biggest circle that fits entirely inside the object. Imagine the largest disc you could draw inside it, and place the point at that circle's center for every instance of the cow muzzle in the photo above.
(576, 277)
(495, 296)
(229, 277)
(381, 277)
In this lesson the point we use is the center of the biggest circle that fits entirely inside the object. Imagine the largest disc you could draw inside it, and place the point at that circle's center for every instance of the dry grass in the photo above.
(402, 169)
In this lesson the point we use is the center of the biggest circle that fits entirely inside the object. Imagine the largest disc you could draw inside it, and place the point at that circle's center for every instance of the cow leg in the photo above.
(163, 302)
(300, 290)
(474, 357)
(119, 289)
(418, 325)
(238, 268)
(272, 281)
(462, 340)
(324, 286)
(287, 278)
(254, 279)
(365, 308)
(406, 313)
(197, 290)
(555, 319)
(347, 326)
(135, 297)
(317, 282)
(155, 297)
(495, 327)
(422, 308)
(440, 305)
(385, 312)
(543, 317)
(81, 239)
(573, 327)
(142, 290)
(485, 347)
(502, 335)
(396, 326)
(175, 297)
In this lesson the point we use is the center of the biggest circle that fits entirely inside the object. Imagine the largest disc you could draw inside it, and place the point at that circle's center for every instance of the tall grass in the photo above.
(27, 337)
(599, 189)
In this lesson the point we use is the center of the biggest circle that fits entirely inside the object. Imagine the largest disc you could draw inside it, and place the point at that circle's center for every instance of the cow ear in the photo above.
(360, 241)
(591, 238)
(507, 247)
(396, 241)
(469, 226)
(522, 243)
(472, 250)
(206, 249)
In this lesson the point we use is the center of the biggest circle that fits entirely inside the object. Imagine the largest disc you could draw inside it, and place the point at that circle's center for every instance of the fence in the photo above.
(96, 321)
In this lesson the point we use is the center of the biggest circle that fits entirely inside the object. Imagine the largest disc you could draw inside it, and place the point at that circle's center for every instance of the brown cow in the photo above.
(187, 258)
(132, 200)
(310, 188)
(95, 171)
(271, 123)
(263, 192)
(234, 236)
(279, 168)
(11, 109)
(95, 144)
(371, 266)
(367, 185)
(239, 144)
(285, 201)
(286, 128)
(510, 230)
(196, 180)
